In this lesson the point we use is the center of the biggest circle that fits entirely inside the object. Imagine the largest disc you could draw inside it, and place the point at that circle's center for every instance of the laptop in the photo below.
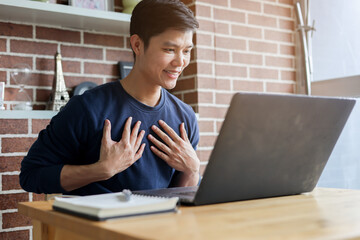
(269, 145)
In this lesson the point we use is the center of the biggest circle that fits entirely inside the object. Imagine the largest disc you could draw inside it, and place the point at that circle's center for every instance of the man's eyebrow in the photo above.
(171, 44)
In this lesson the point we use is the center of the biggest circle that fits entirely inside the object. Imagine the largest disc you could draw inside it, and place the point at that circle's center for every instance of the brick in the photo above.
(203, 155)
(2, 45)
(204, 68)
(287, 50)
(15, 219)
(229, 15)
(288, 75)
(230, 71)
(246, 31)
(43, 95)
(190, 98)
(222, 84)
(230, 43)
(214, 2)
(20, 46)
(287, 24)
(119, 55)
(18, 235)
(252, 86)
(10, 61)
(223, 98)
(40, 79)
(205, 54)
(212, 83)
(60, 35)
(203, 40)
(205, 97)
(280, 87)
(279, 36)
(15, 30)
(206, 126)
(222, 56)
(207, 141)
(277, 10)
(10, 201)
(10, 145)
(262, 47)
(185, 84)
(212, 112)
(202, 11)
(246, 5)
(260, 20)
(10, 182)
(222, 28)
(39, 106)
(244, 58)
(279, 62)
(11, 93)
(82, 52)
(104, 40)
(219, 125)
(101, 69)
(45, 64)
(72, 81)
(289, 2)
(263, 73)
(206, 25)
(13, 126)
(205, 83)
(38, 197)
(38, 125)
(10, 163)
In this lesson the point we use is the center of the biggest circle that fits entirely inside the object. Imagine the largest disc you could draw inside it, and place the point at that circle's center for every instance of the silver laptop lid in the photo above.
(272, 145)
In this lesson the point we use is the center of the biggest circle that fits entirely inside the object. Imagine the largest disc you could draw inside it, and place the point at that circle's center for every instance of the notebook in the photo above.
(113, 205)
(269, 145)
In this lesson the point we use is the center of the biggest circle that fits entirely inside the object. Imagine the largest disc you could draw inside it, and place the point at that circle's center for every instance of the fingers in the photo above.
(159, 144)
(134, 133)
(183, 133)
(168, 130)
(106, 131)
(127, 130)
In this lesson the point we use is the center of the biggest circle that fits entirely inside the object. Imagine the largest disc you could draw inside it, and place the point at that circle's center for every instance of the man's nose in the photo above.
(179, 60)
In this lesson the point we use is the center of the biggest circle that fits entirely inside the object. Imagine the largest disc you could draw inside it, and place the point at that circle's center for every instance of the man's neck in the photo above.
(137, 86)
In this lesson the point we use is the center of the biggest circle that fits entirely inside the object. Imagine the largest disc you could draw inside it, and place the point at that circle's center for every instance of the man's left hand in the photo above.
(177, 150)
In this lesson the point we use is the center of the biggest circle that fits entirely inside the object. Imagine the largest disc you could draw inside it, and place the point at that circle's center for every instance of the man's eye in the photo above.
(187, 51)
(169, 50)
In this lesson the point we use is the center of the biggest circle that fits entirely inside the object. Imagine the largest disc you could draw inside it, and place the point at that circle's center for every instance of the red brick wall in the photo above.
(86, 56)
(16, 137)
(241, 45)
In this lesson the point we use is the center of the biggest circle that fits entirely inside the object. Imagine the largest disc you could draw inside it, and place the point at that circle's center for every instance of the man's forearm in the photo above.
(77, 176)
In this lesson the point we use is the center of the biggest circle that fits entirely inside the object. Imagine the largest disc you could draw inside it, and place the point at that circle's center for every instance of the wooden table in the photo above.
(321, 214)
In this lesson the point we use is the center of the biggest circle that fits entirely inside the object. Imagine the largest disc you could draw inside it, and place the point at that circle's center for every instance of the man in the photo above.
(129, 134)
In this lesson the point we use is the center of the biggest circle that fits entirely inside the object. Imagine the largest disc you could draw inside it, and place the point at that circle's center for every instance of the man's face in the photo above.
(166, 57)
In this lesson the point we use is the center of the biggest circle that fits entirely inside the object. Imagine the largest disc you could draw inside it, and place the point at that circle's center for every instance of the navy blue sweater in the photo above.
(74, 137)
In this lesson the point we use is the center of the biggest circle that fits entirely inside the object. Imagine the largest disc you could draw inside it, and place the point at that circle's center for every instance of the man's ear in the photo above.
(136, 44)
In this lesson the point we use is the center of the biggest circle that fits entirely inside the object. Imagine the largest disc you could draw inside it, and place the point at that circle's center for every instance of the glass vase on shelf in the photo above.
(20, 74)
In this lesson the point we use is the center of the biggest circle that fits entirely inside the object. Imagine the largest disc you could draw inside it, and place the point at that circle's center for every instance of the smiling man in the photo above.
(129, 134)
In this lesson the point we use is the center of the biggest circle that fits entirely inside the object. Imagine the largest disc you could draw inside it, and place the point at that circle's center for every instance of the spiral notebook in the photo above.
(111, 205)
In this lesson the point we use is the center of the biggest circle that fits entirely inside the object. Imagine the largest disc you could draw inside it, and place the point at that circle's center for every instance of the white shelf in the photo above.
(22, 114)
(27, 11)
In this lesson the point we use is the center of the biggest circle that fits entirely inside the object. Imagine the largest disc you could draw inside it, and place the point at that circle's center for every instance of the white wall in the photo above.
(336, 41)
(343, 167)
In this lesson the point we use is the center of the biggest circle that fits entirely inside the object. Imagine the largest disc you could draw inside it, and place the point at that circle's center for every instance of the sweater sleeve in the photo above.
(59, 144)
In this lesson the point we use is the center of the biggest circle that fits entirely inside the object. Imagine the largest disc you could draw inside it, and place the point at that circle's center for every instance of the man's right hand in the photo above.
(115, 156)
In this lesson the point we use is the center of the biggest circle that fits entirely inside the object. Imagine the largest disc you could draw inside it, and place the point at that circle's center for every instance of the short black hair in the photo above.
(153, 17)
